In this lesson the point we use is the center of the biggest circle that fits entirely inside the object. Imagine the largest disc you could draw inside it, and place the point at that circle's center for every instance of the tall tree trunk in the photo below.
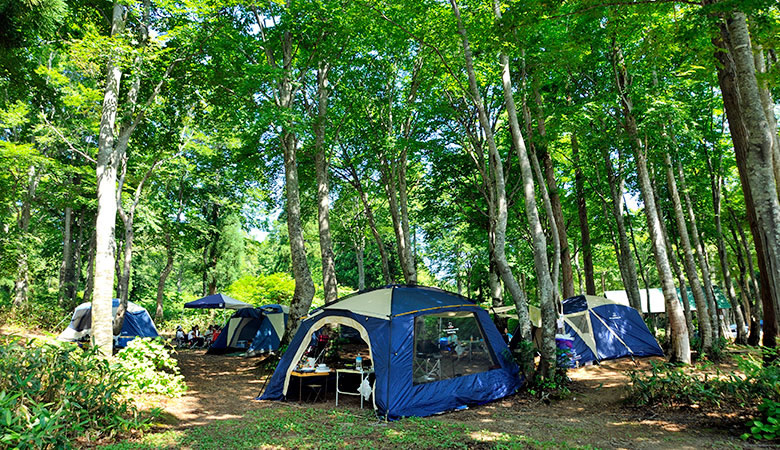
(563, 256)
(361, 266)
(22, 282)
(304, 285)
(158, 314)
(759, 160)
(90, 283)
(544, 282)
(626, 262)
(727, 79)
(77, 261)
(680, 350)
(553, 225)
(747, 290)
(505, 270)
(768, 105)
(702, 310)
(329, 282)
(354, 180)
(582, 212)
(709, 291)
(716, 184)
(66, 267)
(105, 222)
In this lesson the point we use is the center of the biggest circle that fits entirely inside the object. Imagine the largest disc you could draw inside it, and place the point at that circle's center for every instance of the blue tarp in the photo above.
(392, 351)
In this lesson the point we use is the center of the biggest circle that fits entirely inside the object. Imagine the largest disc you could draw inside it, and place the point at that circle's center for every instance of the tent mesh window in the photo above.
(449, 345)
(580, 322)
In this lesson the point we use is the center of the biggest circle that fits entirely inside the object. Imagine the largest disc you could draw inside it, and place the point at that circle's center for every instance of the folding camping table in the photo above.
(363, 376)
(303, 375)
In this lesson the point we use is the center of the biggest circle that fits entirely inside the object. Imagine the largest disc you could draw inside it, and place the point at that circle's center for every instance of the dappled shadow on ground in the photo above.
(224, 387)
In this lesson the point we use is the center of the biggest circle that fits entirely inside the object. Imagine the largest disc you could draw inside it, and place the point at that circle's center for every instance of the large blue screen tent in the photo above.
(138, 322)
(414, 376)
(254, 330)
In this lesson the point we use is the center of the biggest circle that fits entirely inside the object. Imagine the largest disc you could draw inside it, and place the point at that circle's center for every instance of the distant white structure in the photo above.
(657, 304)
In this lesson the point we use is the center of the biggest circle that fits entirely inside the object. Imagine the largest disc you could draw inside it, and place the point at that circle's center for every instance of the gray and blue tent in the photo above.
(603, 329)
(414, 375)
(254, 330)
(137, 323)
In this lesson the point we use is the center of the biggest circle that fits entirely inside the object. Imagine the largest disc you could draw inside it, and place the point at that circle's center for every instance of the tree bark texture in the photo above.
(680, 350)
(105, 222)
(759, 158)
(709, 291)
(730, 91)
(702, 310)
(22, 282)
(626, 261)
(329, 281)
(582, 213)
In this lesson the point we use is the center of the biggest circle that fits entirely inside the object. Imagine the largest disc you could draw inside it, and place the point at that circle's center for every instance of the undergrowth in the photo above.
(52, 393)
(756, 382)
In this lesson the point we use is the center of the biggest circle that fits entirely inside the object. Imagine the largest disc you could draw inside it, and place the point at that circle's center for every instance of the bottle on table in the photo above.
(359, 363)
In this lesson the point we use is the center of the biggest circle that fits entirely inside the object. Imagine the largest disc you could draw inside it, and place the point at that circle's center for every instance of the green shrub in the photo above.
(149, 368)
(759, 381)
(768, 427)
(50, 394)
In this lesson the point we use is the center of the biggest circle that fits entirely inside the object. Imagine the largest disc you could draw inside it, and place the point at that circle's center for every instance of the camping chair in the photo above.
(427, 363)
(314, 389)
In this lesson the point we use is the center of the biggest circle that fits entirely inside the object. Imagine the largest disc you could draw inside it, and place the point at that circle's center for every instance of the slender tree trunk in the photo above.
(727, 79)
(158, 314)
(563, 252)
(361, 267)
(768, 104)
(582, 210)
(355, 181)
(680, 350)
(759, 159)
(626, 262)
(709, 291)
(107, 163)
(642, 271)
(90, 283)
(702, 310)
(746, 288)
(553, 225)
(22, 282)
(329, 282)
(544, 282)
(77, 260)
(66, 268)
(728, 286)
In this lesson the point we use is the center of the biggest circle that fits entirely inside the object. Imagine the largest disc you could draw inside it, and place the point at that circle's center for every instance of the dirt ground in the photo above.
(223, 387)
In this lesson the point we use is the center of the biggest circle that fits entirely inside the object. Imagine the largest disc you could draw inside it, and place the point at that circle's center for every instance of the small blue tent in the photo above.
(414, 376)
(254, 330)
(603, 329)
(138, 322)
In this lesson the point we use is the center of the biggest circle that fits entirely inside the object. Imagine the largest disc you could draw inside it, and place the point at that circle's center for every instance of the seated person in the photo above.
(195, 338)
(209, 336)
(217, 330)
(180, 338)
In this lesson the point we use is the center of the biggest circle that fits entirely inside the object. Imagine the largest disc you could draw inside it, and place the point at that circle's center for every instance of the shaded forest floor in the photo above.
(224, 387)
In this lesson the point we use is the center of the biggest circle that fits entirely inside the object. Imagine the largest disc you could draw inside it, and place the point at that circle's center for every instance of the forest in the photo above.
(295, 151)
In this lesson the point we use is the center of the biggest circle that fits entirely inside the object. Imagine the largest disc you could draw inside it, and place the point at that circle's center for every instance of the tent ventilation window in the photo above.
(449, 345)
(580, 322)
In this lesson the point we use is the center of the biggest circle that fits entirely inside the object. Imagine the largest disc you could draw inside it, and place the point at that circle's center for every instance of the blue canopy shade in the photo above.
(218, 301)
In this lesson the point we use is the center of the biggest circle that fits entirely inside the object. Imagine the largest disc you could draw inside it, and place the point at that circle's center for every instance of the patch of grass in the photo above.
(293, 427)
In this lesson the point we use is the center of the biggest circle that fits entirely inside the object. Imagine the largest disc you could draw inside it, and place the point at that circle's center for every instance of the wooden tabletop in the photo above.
(310, 374)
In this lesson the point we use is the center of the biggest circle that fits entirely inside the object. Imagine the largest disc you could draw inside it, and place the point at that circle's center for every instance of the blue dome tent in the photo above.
(414, 376)
(138, 322)
(603, 329)
(254, 330)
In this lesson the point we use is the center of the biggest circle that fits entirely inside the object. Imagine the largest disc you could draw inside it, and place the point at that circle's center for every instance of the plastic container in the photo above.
(359, 363)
